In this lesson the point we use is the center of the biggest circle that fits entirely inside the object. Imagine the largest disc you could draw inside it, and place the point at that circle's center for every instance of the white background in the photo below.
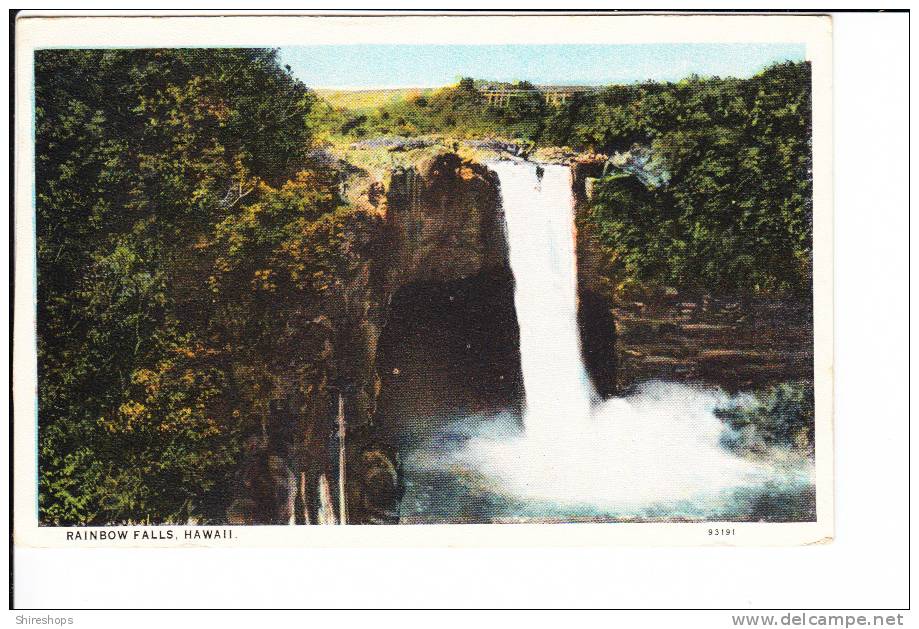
(865, 567)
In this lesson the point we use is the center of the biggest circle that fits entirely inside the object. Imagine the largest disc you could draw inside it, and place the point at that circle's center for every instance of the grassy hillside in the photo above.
(357, 100)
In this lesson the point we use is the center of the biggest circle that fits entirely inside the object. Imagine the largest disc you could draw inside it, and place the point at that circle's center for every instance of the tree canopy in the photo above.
(736, 213)
(161, 200)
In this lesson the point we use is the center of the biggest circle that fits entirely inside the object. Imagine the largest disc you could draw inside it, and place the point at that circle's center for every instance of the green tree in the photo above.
(140, 154)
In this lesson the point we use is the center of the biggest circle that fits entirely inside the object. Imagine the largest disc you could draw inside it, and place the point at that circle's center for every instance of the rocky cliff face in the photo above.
(583, 171)
(595, 319)
(435, 233)
(451, 338)
(445, 221)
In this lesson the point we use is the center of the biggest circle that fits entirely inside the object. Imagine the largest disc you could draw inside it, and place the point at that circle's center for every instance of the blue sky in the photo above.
(402, 65)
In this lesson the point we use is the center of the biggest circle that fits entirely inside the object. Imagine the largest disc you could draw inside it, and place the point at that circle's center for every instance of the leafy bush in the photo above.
(782, 416)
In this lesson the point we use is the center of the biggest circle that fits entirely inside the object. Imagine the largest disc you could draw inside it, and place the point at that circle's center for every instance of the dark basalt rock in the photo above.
(598, 340)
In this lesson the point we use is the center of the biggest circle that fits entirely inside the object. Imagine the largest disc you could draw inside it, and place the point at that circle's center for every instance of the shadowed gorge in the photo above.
(446, 350)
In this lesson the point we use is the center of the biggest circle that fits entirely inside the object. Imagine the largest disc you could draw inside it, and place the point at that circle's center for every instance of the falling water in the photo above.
(542, 257)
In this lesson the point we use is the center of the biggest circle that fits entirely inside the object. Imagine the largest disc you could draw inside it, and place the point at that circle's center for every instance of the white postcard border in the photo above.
(64, 32)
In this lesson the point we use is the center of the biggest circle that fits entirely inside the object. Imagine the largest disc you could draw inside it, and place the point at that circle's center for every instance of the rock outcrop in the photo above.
(429, 255)
(449, 291)
(444, 221)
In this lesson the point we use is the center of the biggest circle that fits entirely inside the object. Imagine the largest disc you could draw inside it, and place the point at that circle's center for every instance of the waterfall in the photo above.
(538, 207)
(656, 451)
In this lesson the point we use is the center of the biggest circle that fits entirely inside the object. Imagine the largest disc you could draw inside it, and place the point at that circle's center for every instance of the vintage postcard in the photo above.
(423, 280)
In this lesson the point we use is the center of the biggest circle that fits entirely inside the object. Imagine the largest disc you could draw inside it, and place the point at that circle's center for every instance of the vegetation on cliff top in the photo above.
(735, 215)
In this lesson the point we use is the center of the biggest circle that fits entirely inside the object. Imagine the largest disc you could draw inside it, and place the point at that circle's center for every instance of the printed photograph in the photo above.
(389, 284)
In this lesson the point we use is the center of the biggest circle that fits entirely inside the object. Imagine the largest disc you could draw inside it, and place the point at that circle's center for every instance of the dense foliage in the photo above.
(170, 211)
(735, 215)
(460, 111)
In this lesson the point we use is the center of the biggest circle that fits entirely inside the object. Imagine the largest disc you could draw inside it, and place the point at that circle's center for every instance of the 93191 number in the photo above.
(721, 532)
